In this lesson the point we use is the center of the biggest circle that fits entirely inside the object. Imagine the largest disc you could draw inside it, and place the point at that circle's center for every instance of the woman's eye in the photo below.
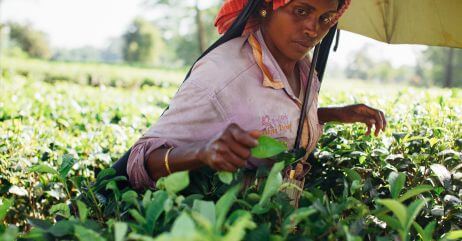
(326, 20)
(301, 12)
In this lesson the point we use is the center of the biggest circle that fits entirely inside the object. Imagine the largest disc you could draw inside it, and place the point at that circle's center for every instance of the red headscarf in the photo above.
(231, 9)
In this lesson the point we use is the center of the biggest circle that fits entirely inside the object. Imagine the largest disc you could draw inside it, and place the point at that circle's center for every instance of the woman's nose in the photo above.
(311, 27)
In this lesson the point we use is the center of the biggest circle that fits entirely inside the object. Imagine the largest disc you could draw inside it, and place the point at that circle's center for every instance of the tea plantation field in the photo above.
(57, 139)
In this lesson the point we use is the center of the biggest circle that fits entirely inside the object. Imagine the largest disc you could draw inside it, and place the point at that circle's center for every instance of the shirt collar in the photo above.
(273, 76)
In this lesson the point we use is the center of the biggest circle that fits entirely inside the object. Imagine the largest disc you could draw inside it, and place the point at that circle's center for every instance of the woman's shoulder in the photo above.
(223, 64)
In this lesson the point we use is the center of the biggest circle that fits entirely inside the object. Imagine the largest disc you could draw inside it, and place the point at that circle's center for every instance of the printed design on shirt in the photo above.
(273, 125)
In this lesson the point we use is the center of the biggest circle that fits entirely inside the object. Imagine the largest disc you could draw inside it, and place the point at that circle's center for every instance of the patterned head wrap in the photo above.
(231, 9)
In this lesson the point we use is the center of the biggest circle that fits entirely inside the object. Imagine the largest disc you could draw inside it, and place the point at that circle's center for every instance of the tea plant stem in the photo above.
(243, 203)
(329, 231)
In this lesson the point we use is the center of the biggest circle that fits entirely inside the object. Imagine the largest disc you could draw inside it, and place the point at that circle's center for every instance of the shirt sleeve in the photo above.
(194, 114)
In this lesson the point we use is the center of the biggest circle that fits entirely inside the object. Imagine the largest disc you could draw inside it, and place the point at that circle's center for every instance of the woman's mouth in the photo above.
(304, 45)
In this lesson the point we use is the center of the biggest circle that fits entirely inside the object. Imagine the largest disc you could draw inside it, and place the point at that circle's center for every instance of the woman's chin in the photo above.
(297, 56)
(299, 53)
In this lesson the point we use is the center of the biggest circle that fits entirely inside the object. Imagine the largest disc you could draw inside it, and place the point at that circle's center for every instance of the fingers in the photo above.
(239, 150)
(230, 150)
(242, 136)
(378, 123)
(369, 123)
(379, 120)
(235, 160)
(217, 158)
(225, 166)
(255, 133)
(384, 120)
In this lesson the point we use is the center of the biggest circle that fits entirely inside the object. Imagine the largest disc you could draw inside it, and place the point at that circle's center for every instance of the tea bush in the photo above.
(58, 140)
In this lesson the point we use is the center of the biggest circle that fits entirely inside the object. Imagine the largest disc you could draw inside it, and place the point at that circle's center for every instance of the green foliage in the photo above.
(186, 46)
(438, 60)
(225, 177)
(272, 185)
(66, 165)
(454, 235)
(364, 66)
(396, 181)
(268, 147)
(224, 204)
(94, 74)
(403, 185)
(143, 43)
(30, 40)
(174, 183)
(5, 204)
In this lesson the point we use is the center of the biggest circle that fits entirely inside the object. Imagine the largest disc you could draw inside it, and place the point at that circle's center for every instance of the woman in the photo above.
(249, 86)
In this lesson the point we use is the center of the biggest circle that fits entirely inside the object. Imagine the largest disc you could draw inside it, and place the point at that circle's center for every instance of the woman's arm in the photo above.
(180, 159)
(354, 113)
(328, 114)
(227, 151)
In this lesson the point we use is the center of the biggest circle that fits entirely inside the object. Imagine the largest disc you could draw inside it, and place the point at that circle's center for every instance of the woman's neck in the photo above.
(288, 66)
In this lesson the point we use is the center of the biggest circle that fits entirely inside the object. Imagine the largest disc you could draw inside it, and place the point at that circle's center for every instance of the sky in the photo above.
(77, 23)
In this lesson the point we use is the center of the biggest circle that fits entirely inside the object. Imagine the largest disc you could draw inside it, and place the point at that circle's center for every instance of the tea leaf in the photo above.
(396, 182)
(272, 184)
(224, 204)
(206, 209)
(225, 177)
(397, 208)
(83, 210)
(183, 226)
(413, 210)
(291, 222)
(427, 233)
(175, 182)
(236, 231)
(66, 165)
(414, 192)
(268, 147)
(108, 172)
(43, 168)
(61, 209)
(4, 207)
(120, 230)
(444, 176)
(62, 228)
(85, 234)
(155, 209)
(454, 235)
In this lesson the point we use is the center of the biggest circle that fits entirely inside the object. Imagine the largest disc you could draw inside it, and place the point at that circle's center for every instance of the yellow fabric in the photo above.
(429, 22)
(268, 81)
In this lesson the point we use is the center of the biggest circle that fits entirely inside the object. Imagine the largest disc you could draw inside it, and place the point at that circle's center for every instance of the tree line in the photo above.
(184, 30)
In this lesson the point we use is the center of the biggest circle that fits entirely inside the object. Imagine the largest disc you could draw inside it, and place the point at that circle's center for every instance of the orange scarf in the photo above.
(231, 9)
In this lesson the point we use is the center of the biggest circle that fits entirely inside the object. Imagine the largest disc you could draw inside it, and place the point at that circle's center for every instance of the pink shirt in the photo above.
(226, 86)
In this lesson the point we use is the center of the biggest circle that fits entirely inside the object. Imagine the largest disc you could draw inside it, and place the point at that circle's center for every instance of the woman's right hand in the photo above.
(230, 149)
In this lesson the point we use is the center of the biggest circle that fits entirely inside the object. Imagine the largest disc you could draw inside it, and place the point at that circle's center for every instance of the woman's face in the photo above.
(297, 27)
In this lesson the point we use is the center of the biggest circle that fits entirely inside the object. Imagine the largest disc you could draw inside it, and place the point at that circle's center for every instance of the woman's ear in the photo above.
(265, 9)
(267, 5)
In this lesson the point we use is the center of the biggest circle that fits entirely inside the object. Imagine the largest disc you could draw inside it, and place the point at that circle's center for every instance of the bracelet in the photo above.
(167, 167)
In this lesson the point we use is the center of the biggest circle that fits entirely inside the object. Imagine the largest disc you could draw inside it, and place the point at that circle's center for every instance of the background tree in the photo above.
(30, 40)
(445, 65)
(142, 43)
(360, 65)
(187, 27)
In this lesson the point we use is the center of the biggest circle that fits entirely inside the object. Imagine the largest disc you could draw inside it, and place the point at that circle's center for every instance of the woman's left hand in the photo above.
(364, 114)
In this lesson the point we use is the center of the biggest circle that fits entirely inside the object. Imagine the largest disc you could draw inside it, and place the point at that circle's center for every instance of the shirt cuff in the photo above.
(137, 174)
